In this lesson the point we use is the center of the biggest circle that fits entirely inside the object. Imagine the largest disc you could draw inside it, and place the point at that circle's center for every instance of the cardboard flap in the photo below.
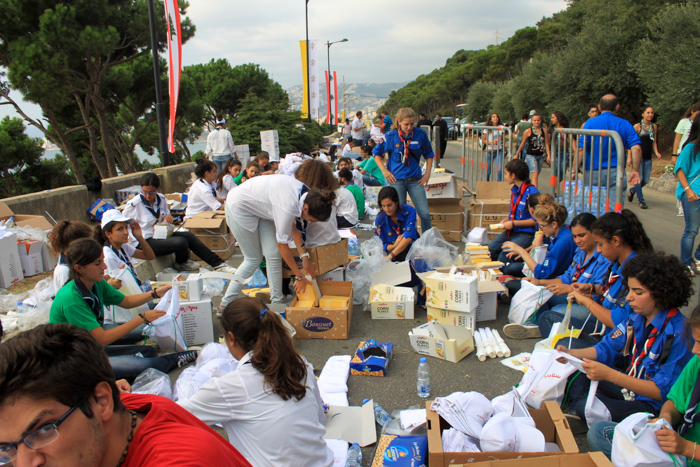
(352, 424)
(492, 190)
(5, 211)
(392, 274)
(436, 178)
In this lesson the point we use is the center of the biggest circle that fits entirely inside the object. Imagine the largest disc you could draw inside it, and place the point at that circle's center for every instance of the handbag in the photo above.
(527, 301)
(635, 444)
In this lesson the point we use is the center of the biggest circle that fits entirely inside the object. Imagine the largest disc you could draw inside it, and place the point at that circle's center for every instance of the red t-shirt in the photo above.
(171, 436)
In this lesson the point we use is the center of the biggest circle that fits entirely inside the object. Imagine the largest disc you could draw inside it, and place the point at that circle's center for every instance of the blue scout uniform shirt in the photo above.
(521, 211)
(593, 272)
(615, 298)
(560, 252)
(418, 146)
(607, 121)
(664, 360)
(388, 231)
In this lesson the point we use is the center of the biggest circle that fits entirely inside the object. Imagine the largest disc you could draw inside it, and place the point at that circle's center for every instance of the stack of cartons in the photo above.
(270, 142)
(211, 228)
(489, 205)
(48, 260)
(445, 204)
(10, 264)
(243, 154)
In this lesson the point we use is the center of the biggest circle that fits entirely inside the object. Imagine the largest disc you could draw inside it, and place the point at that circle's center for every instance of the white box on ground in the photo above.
(337, 274)
(427, 339)
(352, 424)
(30, 257)
(197, 322)
(243, 153)
(441, 185)
(451, 291)
(10, 264)
(392, 274)
(389, 302)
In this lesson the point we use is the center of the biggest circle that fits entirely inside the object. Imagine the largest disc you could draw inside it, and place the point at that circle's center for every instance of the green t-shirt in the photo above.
(359, 199)
(371, 167)
(69, 307)
(522, 127)
(680, 395)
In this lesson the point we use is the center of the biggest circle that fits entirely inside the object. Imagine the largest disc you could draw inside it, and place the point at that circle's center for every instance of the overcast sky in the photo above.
(388, 40)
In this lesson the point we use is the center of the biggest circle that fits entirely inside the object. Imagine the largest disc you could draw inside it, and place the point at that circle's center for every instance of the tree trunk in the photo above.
(92, 136)
(65, 146)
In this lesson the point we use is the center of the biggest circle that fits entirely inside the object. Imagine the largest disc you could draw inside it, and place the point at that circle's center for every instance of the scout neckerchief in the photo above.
(156, 211)
(208, 185)
(514, 206)
(91, 298)
(635, 368)
(690, 416)
(406, 156)
(301, 224)
(580, 268)
(121, 254)
(612, 278)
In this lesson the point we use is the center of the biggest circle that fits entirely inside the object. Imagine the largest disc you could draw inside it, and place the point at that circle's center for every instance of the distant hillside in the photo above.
(367, 97)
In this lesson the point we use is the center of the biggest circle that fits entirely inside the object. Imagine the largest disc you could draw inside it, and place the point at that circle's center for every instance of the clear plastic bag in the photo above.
(372, 248)
(187, 384)
(44, 291)
(431, 251)
(211, 351)
(258, 279)
(152, 381)
(214, 286)
(34, 317)
(359, 271)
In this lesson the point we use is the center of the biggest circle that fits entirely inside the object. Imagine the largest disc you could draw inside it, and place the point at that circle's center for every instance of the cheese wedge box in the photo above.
(451, 292)
(549, 420)
(333, 301)
(317, 322)
(451, 343)
(389, 302)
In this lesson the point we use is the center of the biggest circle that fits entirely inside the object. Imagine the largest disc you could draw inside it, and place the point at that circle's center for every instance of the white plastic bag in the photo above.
(527, 301)
(117, 314)
(538, 254)
(167, 330)
(431, 251)
(34, 317)
(211, 351)
(595, 410)
(187, 384)
(635, 444)
(549, 383)
(152, 381)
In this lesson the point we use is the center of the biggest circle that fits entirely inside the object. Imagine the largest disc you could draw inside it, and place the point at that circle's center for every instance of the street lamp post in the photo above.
(330, 77)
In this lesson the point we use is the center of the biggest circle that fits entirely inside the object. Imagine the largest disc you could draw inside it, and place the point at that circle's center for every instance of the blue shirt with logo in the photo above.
(607, 121)
(418, 146)
(388, 231)
(521, 211)
(595, 270)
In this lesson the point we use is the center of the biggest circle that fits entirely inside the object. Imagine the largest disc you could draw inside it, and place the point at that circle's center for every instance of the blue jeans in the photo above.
(418, 197)
(534, 163)
(692, 224)
(524, 239)
(600, 437)
(644, 175)
(517, 145)
(610, 395)
(494, 157)
(220, 161)
(128, 365)
(370, 180)
(561, 163)
(593, 175)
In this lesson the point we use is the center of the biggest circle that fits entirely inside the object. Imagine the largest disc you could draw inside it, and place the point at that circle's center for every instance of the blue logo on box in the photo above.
(317, 324)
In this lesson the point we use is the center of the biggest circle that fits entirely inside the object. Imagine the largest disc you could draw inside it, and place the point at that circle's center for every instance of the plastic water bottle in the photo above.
(380, 415)
(9, 223)
(423, 382)
(354, 456)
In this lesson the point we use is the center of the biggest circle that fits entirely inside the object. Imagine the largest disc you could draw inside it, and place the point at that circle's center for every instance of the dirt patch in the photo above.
(28, 283)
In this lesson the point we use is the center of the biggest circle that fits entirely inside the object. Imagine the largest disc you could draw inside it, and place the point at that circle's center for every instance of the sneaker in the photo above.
(184, 358)
(697, 263)
(630, 196)
(188, 265)
(223, 267)
(521, 331)
(692, 270)
(643, 205)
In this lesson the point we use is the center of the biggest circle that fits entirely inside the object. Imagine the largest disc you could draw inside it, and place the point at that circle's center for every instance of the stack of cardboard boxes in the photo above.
(444, 194)
(270, 142)
(211, 228)
(489, 205)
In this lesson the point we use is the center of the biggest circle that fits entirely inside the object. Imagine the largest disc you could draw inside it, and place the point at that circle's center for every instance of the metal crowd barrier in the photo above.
(477, 159)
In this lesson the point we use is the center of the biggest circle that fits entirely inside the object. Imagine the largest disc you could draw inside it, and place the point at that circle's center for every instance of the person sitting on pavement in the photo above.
(225, 179)
(60, 238)
(60, 405)
(645, 354)
(270, 405)
(202, 194)
(371, 173)
(252, 169)
(151, 208)
(345, 178)
(347, 163)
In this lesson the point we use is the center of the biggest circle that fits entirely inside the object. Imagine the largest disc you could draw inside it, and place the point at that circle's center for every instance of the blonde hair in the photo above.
(403, 113)
(550, 211)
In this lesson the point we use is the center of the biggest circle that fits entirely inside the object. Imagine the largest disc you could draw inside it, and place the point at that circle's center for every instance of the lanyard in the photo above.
(405, 157)
(301, 224)
(91, 298)
(213, 192)
(612, 278)
(156, 211)
(580, 268)
(121, 254)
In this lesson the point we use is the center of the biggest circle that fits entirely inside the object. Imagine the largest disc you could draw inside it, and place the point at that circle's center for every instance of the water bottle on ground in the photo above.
(354, 456)
(380, 415)
(22, 307)
(423, 381)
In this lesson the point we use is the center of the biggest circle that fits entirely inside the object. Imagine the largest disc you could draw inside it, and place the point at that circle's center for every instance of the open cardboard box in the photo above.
(352, 424)
(323, 323)
(489, 205)
(451, 343)
(589, 459)
(549, 420)
(451, 292)
(324, 258)
(391, 302)
(487, 302)
(207, 223)
(24, 220)
(442, 185)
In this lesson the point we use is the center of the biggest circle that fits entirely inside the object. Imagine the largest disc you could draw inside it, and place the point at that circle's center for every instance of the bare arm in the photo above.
(677, 143)
(683, 180)
(655, 143)
(526, 135)
(145, 252)
(388, 176)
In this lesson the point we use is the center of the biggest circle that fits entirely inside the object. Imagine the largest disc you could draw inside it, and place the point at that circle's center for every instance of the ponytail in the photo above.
(626, 227)
(550, 211)
(261, 331)
(320, 203)
(203, 166)
(65, 232)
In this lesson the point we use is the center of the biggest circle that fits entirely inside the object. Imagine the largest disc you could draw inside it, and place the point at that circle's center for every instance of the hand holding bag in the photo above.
(635, 444)
(167, 330)
(527, 301)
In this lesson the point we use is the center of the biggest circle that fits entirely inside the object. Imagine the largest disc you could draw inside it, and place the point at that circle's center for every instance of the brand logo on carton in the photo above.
(422, 343)
(436, 186)
(383, 308)
(395, 453)
(317, 324)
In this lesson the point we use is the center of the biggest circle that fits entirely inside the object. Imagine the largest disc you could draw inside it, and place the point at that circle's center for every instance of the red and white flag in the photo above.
(172, 18)
(335, 98)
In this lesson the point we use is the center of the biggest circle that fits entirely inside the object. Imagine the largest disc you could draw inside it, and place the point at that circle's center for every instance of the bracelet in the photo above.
(154, 294)
(589, 305)
(305, 255)
(695, 445)
(686, 188)
(143, 317)
(618, 377)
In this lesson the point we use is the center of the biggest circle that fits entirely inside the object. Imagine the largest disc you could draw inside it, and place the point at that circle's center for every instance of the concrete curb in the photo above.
(664, 186)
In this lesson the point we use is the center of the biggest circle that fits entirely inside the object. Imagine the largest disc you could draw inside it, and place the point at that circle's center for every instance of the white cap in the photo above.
(113, 215)
(221, 122)
(533, 112)
(504, 433)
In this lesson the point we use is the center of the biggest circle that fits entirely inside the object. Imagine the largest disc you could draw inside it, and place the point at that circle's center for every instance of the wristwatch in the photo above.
(304, 255)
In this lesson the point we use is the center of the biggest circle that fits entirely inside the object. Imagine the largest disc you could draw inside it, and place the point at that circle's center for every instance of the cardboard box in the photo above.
(451, 343)
(371, 359)
(325, 258)
(125, 194)
(389, 302)
(451, 292)
(487, 301)
(99, 207)
(589, 459)
(442, 185)
(452, 318)
(10, 264)
(47, 258)
(198, 323)
(320, 323)
(30, 257)
(207, 223)
(222, 245)
(24, 220)
(549, 420)
(392, 273)
(243, 154)
(270, 142)
(489, 205)
(337, 274)
(352, 424)
(448, 216)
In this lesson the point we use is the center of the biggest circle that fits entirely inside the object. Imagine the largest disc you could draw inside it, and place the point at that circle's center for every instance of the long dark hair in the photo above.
(626, 226)
(83, 252)
(203, 166)
(273, 351)
(320, 203)
(220, 176)
(561, 118)
(694, 135)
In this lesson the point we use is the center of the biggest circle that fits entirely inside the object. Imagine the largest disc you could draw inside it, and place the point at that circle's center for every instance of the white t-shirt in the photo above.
(228, 185)
(358, 128)
(114, 261)
(347, 149)
(220, 143)
(267, 430)
(347, 129)
(61, 276)
(273, 197)
(683, 128)
(494, 139)
(201, 198)
(347, 207)
(356, 177)
(136, 209)
(323, 233)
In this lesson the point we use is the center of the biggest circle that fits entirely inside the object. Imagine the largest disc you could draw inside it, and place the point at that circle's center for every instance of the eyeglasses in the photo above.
(149, 192)
(43, 436)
